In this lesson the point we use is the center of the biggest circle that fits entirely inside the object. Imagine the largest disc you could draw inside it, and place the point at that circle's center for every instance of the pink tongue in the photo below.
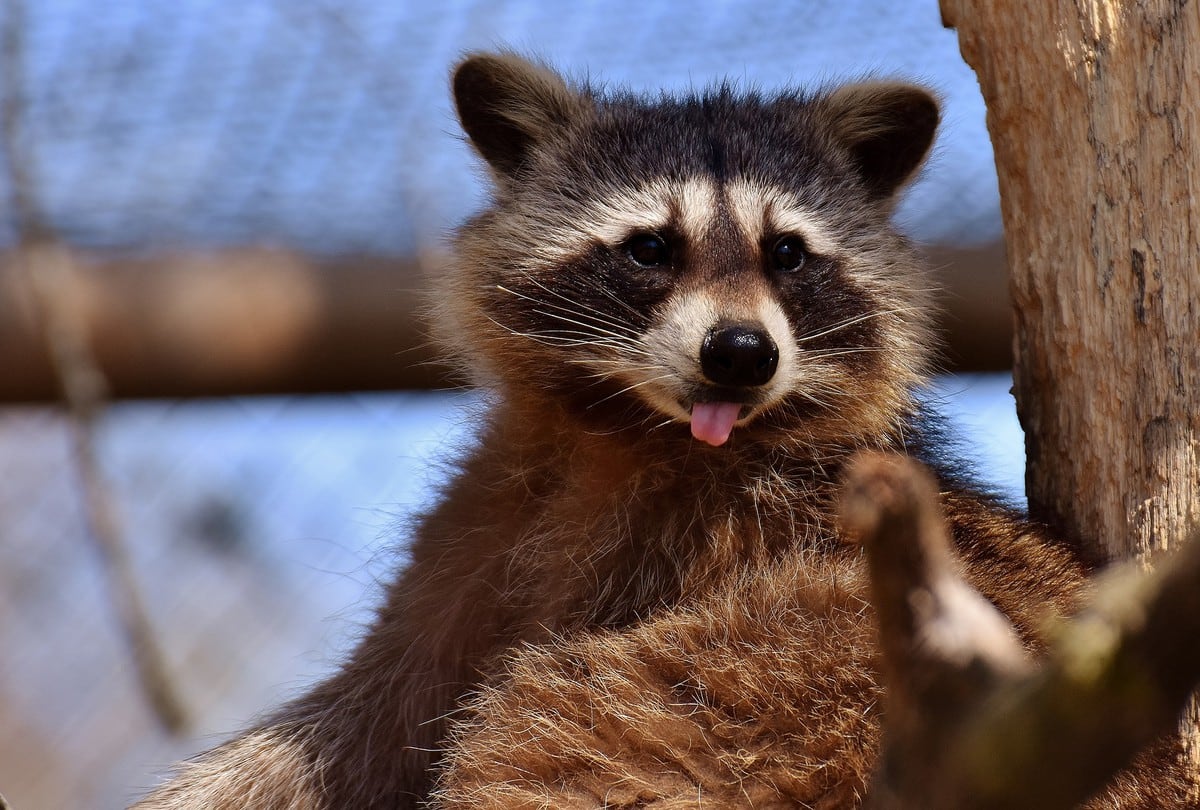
(712, 422)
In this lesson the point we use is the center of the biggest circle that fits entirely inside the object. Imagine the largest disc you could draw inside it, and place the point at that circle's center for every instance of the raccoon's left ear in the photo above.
(509, 105)
(887, 127)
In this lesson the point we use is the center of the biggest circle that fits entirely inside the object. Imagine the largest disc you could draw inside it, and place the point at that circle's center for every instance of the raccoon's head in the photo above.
(722, 260)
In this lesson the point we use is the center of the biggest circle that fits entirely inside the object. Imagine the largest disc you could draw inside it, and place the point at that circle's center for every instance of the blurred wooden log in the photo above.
(976, 319)
(231, 322)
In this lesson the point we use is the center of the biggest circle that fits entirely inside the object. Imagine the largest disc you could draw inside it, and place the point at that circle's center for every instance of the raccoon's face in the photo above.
(722, 261)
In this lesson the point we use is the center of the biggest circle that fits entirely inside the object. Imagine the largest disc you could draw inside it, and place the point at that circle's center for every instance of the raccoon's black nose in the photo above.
(738, 355)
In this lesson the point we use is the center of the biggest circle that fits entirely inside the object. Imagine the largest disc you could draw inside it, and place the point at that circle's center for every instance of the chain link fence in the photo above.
(322, 129)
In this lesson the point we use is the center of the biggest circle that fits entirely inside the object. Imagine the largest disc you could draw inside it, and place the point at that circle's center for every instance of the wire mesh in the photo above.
(327, 126)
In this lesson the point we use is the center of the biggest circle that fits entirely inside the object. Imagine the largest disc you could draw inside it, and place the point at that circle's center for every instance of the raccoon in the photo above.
(690, 314)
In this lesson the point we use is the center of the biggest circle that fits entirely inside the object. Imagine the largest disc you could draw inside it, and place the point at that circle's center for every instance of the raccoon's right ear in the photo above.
(508, 105)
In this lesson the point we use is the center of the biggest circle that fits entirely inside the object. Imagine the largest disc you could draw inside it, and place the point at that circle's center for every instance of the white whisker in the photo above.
(852, 321)
(629, 388)
(596, 320)
(599, 287)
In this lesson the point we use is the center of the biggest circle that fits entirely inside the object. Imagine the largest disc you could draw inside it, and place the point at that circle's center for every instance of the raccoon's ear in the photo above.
(508, 105)
(887, 127)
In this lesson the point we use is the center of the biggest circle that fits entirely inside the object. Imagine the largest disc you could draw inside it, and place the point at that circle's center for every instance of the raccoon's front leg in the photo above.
(368, 736)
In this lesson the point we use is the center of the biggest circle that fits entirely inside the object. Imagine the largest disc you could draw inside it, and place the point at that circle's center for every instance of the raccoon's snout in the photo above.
(738, 355)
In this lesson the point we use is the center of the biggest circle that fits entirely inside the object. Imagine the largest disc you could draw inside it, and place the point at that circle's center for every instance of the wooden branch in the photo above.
(970, 722)
(232, 321)
(43, 264)
(264, 320)
(945, 648)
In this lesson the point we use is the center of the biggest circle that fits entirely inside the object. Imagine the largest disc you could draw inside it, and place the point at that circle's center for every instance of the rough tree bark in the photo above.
(1094, 114)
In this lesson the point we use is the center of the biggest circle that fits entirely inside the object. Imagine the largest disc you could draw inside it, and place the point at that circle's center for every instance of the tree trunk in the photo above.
(1094, 114)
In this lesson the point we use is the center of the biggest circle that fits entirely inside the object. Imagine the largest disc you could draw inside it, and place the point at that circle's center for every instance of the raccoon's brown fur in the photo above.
(762, 694)
(690, 313)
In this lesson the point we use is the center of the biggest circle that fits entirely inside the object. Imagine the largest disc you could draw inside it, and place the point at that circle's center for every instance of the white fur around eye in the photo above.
(759, 210)
(649, 207)
(697, 202)
(615, 217)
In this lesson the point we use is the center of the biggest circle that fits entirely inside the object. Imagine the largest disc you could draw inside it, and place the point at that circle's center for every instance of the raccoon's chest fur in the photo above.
(611, 535)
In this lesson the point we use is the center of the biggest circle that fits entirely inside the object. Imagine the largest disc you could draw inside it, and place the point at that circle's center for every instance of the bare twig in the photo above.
(45, 267)
(971, 722)
(944, 646)
(1117, 679)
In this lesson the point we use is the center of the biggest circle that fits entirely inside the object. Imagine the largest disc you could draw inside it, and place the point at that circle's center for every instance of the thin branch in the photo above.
(970, 721)
(945, 648)
(1117, 679)
(46, 268)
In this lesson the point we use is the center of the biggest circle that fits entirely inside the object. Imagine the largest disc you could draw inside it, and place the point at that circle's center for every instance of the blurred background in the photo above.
(216, 221)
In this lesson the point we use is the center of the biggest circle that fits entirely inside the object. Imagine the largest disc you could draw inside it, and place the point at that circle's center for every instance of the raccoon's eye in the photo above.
(648, 250)
(788, 254)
